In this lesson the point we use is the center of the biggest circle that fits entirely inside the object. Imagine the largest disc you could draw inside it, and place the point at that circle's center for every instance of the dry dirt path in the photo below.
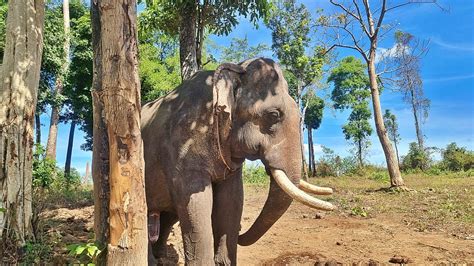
(303, 237)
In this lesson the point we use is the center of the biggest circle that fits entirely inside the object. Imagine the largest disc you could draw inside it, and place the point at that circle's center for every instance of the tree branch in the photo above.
(360, 20)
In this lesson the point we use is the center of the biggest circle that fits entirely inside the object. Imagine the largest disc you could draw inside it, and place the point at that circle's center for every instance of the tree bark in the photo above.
(55, 109)
(187, 41)
(396, 179)
(118, 152)
(38, 128)
(18, 95)
(359, 153)
(67, 165)
(419, 135)
(396, 151)
(53, 128)
(312, 163)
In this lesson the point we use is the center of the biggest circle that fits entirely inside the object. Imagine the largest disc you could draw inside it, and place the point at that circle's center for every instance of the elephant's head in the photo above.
(264, 124)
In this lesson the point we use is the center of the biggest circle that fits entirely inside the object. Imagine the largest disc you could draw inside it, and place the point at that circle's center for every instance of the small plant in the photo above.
(36, 252)
(358, 211)
(85, 252)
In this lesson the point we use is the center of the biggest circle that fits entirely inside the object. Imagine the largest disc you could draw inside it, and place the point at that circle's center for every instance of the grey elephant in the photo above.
(196, 139)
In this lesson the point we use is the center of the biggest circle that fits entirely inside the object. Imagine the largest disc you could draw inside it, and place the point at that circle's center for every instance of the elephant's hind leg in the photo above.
(159, 248)
(226, 215)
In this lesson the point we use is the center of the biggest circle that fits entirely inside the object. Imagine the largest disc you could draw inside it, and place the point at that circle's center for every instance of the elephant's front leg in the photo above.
(226, 215)
(193, 201)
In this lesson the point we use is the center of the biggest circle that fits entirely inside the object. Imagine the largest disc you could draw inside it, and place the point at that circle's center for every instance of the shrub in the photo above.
(255, 175)
(416, 158)
(457, 158)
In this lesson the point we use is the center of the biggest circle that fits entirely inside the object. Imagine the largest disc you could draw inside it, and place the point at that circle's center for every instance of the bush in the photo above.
(331, 164)
(255, 175)
(416, 159)
(457, 158)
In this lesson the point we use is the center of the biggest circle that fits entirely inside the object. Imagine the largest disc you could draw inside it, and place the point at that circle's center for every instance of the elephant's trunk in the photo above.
(281, 194)
(275, 206)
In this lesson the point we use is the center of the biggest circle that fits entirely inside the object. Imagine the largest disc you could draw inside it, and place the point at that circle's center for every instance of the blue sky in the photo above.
(447, 72)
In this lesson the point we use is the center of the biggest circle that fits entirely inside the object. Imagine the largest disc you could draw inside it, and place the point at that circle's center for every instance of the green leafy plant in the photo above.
(358, 211)
(85, 252)
(36, 252)
(254, 175)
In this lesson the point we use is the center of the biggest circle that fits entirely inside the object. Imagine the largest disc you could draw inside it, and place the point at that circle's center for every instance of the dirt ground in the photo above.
(307, 237)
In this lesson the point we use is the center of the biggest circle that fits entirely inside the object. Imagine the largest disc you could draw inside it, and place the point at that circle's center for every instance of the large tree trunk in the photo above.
(55, 109)
(187, 41)
(67, 165)
(396, 179)
(18, 96)
(118, 153)
(38, 128)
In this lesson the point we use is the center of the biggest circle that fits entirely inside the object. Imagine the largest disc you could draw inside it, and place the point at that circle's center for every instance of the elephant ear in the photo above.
(225, 80)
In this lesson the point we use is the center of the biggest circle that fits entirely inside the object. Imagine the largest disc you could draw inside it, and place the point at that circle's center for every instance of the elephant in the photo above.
(195, 141)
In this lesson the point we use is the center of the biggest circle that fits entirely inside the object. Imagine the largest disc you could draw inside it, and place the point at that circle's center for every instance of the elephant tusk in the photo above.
(284, 182)
(307, 187)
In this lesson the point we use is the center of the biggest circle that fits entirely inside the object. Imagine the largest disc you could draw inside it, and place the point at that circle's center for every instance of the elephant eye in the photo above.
(273, 116)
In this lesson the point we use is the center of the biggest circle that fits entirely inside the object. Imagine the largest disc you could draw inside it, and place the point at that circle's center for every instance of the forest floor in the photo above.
(433, 224)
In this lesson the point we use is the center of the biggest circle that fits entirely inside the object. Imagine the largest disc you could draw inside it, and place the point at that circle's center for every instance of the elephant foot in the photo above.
(153, 226)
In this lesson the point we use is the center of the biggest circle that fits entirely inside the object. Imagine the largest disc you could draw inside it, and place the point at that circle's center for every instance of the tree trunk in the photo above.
(53, 127)
(18, 95)
(396, 151)
(200, 34)
(67, 165)
(55, 109)
(419, 135)
(118, 153)
(187, 41)
(396, 179)
(359, 153)
(38, 128)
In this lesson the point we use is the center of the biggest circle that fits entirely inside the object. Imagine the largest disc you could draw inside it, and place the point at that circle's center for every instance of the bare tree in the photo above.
(18, 95)
(360, 27)
(117, 168)
(408, 53)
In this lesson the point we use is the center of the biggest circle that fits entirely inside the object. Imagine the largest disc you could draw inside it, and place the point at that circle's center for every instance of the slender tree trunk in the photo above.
(118, 153)
(312, 163)
(396, 179)
(53, 128)
(419, 134)
(55, 109)
(298, 102)
(396, 151)
(38, 128)
(67, 165)
(18, 96)
(359, 153)
(200, 35)
(187, 41)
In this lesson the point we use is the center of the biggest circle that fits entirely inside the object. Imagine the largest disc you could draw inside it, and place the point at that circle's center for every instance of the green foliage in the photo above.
(79, 79)
(85, 253)
(359, 211)
(351, 83)
(390, 121)
(217, 17)
(44, 169)
(352, 91)
(457, 158)
(3, 26)
(255, 175)
(314, 110)
(239, 50)
(290, 25)
(37, 252)
(417, 158)
(331, 164)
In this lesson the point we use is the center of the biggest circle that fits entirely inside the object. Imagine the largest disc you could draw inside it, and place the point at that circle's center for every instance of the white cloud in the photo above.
(395, 51)
(453, 46)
